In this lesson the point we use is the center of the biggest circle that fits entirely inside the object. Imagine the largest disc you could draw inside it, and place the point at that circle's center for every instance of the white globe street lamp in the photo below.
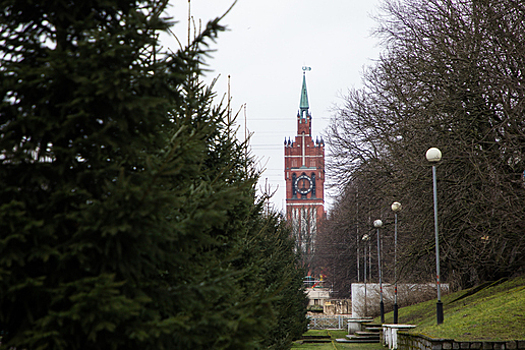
(378, 224)
(396, 206)
(434, 156)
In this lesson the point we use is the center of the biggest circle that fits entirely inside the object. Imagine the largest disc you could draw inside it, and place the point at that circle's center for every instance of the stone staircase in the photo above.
(370, 334)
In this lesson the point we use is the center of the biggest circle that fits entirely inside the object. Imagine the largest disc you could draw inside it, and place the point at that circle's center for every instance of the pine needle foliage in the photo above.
(128, 215)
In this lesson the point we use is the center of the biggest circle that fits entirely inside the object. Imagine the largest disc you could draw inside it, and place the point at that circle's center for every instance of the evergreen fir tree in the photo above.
(128, 216)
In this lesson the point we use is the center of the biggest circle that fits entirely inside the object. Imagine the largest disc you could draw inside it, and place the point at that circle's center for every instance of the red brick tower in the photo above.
(304, 175)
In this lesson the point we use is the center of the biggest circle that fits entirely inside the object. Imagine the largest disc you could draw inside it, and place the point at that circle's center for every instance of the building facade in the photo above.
(304, 173)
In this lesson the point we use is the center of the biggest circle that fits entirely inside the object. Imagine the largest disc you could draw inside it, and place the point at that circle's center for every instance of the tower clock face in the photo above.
(303, 184)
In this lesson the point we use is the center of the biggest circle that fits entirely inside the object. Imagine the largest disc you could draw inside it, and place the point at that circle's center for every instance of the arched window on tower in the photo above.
(313, 185)
(294, 194)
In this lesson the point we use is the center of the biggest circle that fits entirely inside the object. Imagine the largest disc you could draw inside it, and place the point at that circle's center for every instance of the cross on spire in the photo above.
(303, 104)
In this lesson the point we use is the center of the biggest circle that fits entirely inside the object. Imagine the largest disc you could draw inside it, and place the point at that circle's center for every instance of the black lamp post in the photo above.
(365, 238)
(378, 224)
(434, 156)
(396, 206)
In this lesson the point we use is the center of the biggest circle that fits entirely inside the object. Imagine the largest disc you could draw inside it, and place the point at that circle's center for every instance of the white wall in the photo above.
(407, 294)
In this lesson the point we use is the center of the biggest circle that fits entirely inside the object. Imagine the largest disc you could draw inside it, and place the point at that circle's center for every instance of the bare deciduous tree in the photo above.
(451, 76)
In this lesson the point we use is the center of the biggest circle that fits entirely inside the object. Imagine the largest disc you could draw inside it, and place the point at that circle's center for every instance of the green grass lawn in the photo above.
(494, 313)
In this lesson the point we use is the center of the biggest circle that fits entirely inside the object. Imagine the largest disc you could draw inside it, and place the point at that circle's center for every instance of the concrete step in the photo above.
(379, 325)
(367, 333)
(353, 337)
(358, 336)
(356, 341)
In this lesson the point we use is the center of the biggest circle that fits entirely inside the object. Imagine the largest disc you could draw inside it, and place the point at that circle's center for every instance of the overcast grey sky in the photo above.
(267, 44)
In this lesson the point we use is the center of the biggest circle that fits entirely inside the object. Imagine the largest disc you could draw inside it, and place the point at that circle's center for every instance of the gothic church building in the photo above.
(304, 175)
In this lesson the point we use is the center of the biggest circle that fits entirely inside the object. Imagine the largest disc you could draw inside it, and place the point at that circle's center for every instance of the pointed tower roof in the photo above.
(303, 104)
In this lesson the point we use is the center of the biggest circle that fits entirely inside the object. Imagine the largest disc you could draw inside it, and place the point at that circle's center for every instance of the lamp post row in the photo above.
(433, 155)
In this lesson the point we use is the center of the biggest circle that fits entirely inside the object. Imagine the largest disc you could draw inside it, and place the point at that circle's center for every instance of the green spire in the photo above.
(303, 105)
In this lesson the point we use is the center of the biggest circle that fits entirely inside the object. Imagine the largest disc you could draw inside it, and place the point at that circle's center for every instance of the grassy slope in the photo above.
(494, 313)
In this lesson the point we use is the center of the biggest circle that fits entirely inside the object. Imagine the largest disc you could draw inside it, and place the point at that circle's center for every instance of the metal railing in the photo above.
(334, 322)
